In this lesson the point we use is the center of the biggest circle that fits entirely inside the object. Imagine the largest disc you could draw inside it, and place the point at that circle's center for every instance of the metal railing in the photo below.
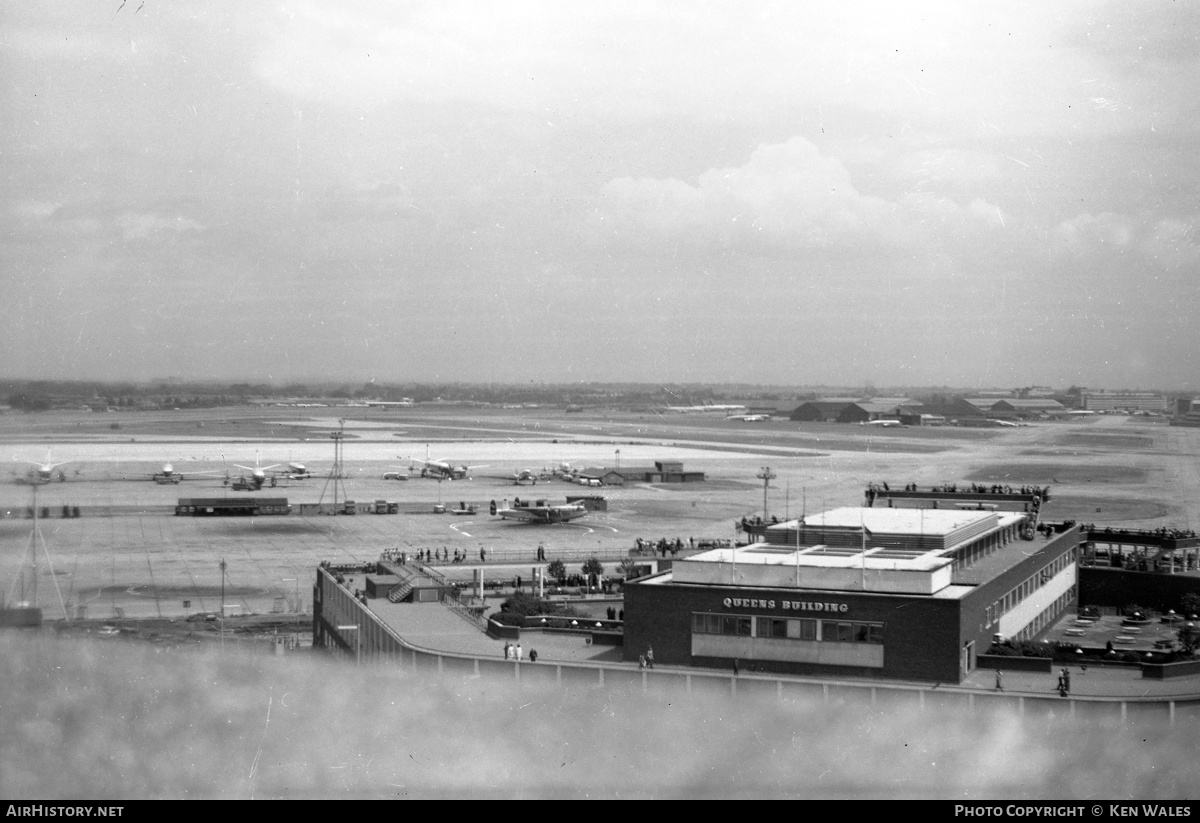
(474, 616)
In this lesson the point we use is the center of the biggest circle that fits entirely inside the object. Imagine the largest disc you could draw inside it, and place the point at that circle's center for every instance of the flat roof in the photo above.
(825, 557)
(887, 520)
(896, 528)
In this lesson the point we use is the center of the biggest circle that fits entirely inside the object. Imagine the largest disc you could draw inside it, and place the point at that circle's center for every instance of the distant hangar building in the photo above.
(887, 593)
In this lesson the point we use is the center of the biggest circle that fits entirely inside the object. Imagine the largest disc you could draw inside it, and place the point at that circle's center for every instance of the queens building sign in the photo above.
(786, 605)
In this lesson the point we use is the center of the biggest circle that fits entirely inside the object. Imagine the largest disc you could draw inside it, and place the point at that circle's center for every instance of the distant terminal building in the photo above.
(231, 506)
(910, 593)
(1123, 401)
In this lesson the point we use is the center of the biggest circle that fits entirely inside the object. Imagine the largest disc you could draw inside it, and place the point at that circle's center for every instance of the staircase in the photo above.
(400, 592)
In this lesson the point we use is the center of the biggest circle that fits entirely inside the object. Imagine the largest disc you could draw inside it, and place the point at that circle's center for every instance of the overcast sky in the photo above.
(792, 193)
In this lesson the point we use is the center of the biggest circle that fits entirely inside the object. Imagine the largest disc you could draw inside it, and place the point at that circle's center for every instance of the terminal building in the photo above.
(899, 593)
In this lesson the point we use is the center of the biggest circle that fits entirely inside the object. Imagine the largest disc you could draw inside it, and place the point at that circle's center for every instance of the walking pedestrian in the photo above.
(999, 681)
(533, 655)
(650, 657)
(735, 667)
(1067, 679)
(518, 652)
(507, 650)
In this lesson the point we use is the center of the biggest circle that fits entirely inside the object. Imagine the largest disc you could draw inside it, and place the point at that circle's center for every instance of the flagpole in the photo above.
(863, 562)
(798, 522)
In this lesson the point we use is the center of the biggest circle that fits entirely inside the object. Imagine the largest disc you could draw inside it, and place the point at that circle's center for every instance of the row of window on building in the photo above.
(1047, 615)
(1028, 586)
(835, 631)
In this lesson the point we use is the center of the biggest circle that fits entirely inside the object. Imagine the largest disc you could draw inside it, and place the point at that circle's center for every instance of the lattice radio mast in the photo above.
(336, 473)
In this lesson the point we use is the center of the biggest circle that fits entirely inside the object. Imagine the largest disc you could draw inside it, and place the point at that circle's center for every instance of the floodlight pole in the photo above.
(766, 476)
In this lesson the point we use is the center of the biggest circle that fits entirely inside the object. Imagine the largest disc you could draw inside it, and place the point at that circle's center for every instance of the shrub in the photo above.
(1189, 604)
(527, 605)
(1025, 648)
(523, 604)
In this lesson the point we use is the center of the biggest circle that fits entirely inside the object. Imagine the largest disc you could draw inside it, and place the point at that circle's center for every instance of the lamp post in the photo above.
(357, 641)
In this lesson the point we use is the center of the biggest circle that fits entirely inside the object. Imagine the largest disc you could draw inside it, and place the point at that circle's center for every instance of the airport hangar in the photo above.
(931, 590)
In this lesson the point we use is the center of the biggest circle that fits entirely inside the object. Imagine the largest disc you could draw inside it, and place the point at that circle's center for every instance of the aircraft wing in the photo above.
(526, 515)
(420, 460)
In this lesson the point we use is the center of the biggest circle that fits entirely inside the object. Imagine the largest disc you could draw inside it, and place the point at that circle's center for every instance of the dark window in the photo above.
(772, 627)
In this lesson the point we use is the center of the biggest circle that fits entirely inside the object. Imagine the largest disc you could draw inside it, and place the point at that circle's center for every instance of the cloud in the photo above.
(34, 209)
(137, 226)
(787, 196)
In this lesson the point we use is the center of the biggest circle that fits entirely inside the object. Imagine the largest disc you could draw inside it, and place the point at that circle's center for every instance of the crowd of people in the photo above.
(750, 524)
(1039, 493)
(1158, 534)
(669, 545)
(973, 488)
(513, 652)
(442, 555)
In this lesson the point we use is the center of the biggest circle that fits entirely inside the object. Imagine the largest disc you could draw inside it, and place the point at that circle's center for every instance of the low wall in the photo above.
(501, 632)
(608, 638)
(1165, 671)
(1014, 663)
